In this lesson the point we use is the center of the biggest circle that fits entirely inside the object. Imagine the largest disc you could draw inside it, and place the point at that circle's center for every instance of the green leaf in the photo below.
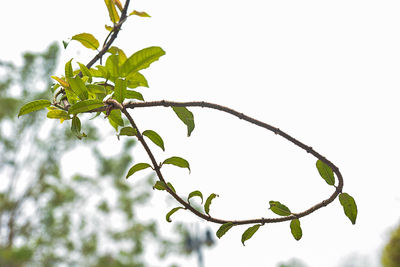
(113, 124)
(249, 232)
(58, 114)
(130, 94)
(155, 138)
(161, 186)
(79, 87)
(108, 28)
(85, 71)
(141, 60)
(119, 52)
(208, 203)
(71, 96)
(120, 90)
(279, 208)
(76, 128)
(196, 193)
(326, 172)
(85, 105)
(224, 228)
(177, 161)
(96, 89)
(65, 44)
(140, 14)
(129, 131)
(186, 117)
(136, 79)
(168, 217)
(296, 229)
(115, 115)
(170, 186)
(112, 65)
(112, 11)
(76, 125)
(33, 106)
(87, 40)
(68, 69)
(349, 206)
(104, 72)
(137, 167)
(60, 81)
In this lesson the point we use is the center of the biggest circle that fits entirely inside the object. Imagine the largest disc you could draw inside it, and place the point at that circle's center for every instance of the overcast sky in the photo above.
(326, 72)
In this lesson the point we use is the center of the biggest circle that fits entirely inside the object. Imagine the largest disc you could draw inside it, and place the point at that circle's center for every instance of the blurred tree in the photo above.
(292, 263)
(391, 252)
(50, 220)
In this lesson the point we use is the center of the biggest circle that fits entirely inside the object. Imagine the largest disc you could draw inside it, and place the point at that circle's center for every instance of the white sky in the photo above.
(326, 72)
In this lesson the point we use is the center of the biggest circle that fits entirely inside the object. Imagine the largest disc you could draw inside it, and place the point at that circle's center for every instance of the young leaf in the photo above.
(58, 114)
(170, 186)
(102, 72)
(168, 217)
(60, 81)
(115, 116)
(137, 167)
(33, 106)
(155, 138)
(76, 128)
(68, 69)
(113, 124)
(196, 193)
(96, 89)
(326, 172)
(85, 105)
(279, 208)
(112, 65)
(140, 14)
(118, 4)
(136, 79)
(120, 90)
(296, 229)
(85, 71)
(141, 60)
(65, 44)
(76, 125)
(119, 52)
(208, 203)
(249, 232)
(130, 94)
(224, 228)
(177, 161)
(71, 96)
(79, 87)
(112, 11)
(349, 206)
(161, 186)
(87, 40)
(186, 117)
(129, 131)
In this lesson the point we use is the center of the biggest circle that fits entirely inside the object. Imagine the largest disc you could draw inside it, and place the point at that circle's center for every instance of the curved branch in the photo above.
(242, 116)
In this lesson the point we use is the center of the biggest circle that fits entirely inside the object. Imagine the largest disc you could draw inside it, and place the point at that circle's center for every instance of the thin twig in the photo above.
(242, 116)
(116, 29)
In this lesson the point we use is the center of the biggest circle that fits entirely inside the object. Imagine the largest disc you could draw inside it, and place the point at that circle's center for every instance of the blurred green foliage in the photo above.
(50, 220)
(391, 252)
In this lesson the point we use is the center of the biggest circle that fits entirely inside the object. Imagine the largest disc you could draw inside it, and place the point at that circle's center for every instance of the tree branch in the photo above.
(116, 29)
(114, 104)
